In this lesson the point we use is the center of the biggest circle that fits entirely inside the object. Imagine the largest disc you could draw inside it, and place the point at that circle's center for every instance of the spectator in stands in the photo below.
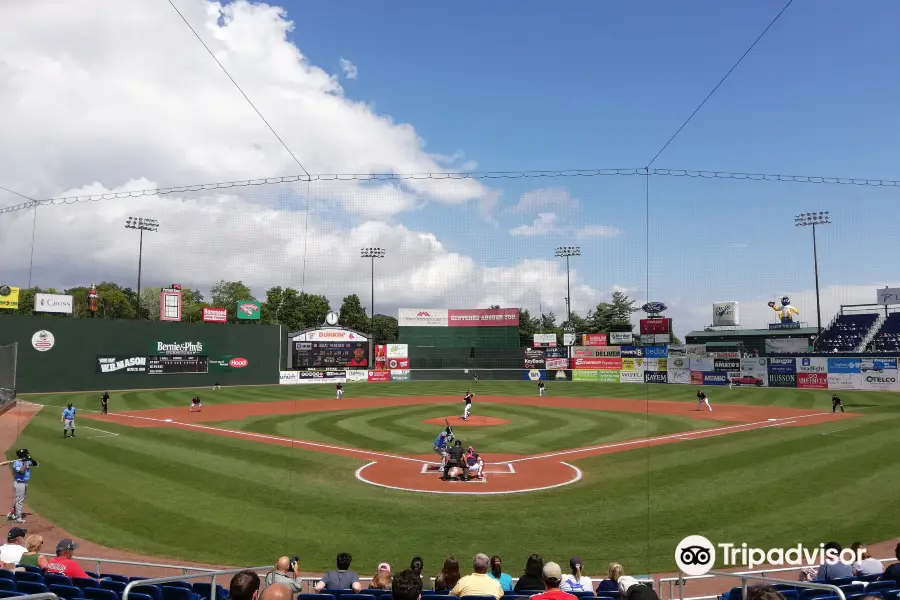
(408, 584)
(448, 576)
(866, 565)
(278, 591)
(626, 582)
(417, 565)
(892, 573)
(497, 573)
(551, 575)
(830, 570)
(576, 581)
(382, 579)
(285, 573)
(640, 591)
(63, 563)
(342, 578)
(244, 586)
(532, 578)
(12, 550)
(763, 592)
(478, 583)
(611, 583)
(32, 558)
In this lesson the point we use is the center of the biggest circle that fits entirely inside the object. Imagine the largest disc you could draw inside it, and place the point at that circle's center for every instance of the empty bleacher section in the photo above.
(846, 332)
(887, 339)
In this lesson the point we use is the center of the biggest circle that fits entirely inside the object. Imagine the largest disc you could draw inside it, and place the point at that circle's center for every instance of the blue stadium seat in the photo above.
(31, 577)
(170, 592)
(66, 592)
(30, 587)
(852, 588)
(891, 594)
(4, 574)
(8, 594)
(138, 597)
(322, 597)
(477, 597)
(56, 579)
(204, 590)
(7, 585)
(360, 597)
(151, 590)
(33, 569)
(881, 586)
(95, 593)
(179, 584)
(114, 577)
(92, 574)
(841, 581)
(114, 586)
(81, 582)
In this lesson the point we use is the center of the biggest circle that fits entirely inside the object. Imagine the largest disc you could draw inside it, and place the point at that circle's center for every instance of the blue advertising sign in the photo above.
(632, 352)
(534, 375)
(877, 365)
(782, 365)
(720, 378)
(558, 352)
(656, 377)
(656, 351)
(843, 365)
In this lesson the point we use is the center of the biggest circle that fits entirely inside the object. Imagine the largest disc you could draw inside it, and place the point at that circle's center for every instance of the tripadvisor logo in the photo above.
(696, 555)
(179, 347)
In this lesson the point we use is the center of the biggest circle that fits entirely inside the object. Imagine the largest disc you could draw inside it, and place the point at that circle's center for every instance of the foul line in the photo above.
(108, 433)
(842, 429)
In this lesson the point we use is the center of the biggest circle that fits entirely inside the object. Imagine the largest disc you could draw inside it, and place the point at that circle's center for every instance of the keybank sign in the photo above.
(178, 348)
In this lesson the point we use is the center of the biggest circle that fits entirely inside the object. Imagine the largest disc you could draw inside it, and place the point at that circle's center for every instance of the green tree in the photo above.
(113, 302)
(353, 314)
(386, 329)
(547, 323)
(528, 326)
(293, 309)
(612, 316)
(676, 340)
(226, 294)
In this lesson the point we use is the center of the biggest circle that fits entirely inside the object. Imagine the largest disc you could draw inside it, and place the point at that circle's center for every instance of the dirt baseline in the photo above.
(503, 474)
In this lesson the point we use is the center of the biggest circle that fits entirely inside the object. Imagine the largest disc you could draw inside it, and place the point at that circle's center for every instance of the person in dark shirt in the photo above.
(455, 459)
(892, 573)
(835, 402)
(532, 579)
(104, 403)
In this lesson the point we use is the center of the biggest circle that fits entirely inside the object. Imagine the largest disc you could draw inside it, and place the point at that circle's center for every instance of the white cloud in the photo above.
(543, 224)
(597, 231)
(542, 199)
(349, 69)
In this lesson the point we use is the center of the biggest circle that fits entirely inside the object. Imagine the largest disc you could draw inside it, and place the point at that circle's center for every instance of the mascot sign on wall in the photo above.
(785, 312)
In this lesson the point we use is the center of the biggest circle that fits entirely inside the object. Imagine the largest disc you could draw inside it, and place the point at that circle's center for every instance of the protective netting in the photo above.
(8, 358)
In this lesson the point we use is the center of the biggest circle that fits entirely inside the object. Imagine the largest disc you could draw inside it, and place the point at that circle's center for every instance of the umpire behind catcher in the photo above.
(21, 474)
(455, 459)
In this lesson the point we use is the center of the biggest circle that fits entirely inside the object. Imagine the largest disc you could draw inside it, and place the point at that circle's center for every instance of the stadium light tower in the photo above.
(567, 252)
(372, 253)
(141, 225)
(806, 220)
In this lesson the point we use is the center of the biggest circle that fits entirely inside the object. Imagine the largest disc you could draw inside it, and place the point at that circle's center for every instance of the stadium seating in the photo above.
(888, 337)
(846, 333)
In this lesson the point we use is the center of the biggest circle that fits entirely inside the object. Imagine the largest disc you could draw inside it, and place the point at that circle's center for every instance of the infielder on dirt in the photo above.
(468, 405)
(703, 400)
(68, 420)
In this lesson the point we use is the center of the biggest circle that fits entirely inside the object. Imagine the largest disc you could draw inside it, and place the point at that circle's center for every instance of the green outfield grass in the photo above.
(190, 495)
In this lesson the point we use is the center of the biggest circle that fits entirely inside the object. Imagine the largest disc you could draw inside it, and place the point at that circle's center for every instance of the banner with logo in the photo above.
(682, 376)
(568, 339)
(214, 315)
(628, 364)
(595, 351)
(678, 351)
(488, 317)
(601, 363)
(534, 358)
(593, 339)
(656, 351)
(357, 376)
(732, 365)
(121, 364)
(640, 364)
(656, 377)
(844, 365)
(397, 363)
(782, 379)
(224, 364)
(248, 310)
(845, 381)
(754, 367)
(379, 376)
(696, 378)
(786, 345)
(696, 350)
(883, 381)
(53, 303)
(673, 364)
(619, 338)
(582, 375)
(397, 351)
(423, 317)
(702, 365)
(401, 375)
(726, 354)
(556, 363)
(655, 364)
(725, 314)
(631, 377)
(607, 376)
(808, 364)
(312, 377)
(814, 381)
(330, 334)
(542, 340)
(782, 365)
(534, 375)
(559, 375)
(632, 351)
(715, 378)
(380, 357)
(655, 326)
(10, 300)
(557, 352)
(877, 365)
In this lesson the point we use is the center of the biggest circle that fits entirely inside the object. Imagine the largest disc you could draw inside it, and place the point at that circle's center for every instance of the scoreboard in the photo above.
(171, 364)
(330, 355)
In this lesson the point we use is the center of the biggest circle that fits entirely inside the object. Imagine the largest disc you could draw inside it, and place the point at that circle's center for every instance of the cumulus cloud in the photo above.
(542, 199)
(554, 211)
(349, 69)
(543, 224)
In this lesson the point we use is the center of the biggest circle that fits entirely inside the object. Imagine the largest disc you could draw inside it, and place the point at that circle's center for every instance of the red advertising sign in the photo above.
(593, 339)
(398, 363)
(812, 380)
(215, 315)
(500, 317)
(381, 357)
(379, 376)
(602, 363)
(656, 326)
(696, 378)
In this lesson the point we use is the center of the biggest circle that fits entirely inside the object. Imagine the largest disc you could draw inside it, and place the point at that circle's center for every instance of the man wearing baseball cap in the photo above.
(552, 577)
(11, 552)
(63, 563)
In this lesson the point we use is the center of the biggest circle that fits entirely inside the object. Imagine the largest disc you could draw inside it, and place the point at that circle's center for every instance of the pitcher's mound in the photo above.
(472, 421)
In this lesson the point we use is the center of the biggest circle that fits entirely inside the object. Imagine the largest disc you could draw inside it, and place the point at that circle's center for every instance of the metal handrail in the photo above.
(213, 574)
(41, 596)
(807, 584)
(99, 561)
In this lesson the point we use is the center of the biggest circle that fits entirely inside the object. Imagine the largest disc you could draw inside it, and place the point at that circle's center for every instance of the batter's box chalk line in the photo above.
(432, 468)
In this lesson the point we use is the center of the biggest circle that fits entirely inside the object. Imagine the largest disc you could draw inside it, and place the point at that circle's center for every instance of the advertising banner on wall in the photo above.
(619, 338)
(787, 345)
(401, 375)
(884, 381)
(682, 376)
(330, 334)
(754, 367)
(702, 364)
(696, 378)
(214, 315)
(844, 381)
(556, 363)
(814, 381)
(248, 310)
(675, 351)
(607, 376)
(121, 364)
(678, 363)
(380, 357)
(544, 340)
(655, 364)
(379, 376)
(9, 298)
(844, 365)
(726, 314)
(656, 377)
(877, 364)
(397, 351)
(53, 303)
(782, 379)
(423, 317)
(696, 350)
(732, 365)
(312, 377)
(595, 351)
(582, 375)
(559, 375)
(887, 296)
(726, 354)
(808, 364)
(534, 358)
(632, 351)
(488, 317)
(631, 377)
(715, 378)
(557, 352)
(782, 365)
(656, 351)
(593, 339)
(655, 326)
(170, 304)
(601, 363)
(534, 375)
(357, 376)
(397, 363)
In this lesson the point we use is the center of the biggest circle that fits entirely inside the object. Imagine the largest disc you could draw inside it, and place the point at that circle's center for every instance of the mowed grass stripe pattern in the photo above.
(531, 430)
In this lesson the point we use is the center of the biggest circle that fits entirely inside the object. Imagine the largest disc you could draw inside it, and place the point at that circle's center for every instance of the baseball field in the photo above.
(604, 471)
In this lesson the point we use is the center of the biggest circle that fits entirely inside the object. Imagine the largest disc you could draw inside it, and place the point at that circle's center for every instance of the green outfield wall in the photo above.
(58, 354)
(458, 337)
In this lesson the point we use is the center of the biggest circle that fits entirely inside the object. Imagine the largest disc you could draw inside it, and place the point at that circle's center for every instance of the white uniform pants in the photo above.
(466, 411)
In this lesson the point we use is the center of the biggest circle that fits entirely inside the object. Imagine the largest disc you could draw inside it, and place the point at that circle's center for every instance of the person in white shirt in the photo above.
(576, 582)
(866, 565)
(11, 552)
